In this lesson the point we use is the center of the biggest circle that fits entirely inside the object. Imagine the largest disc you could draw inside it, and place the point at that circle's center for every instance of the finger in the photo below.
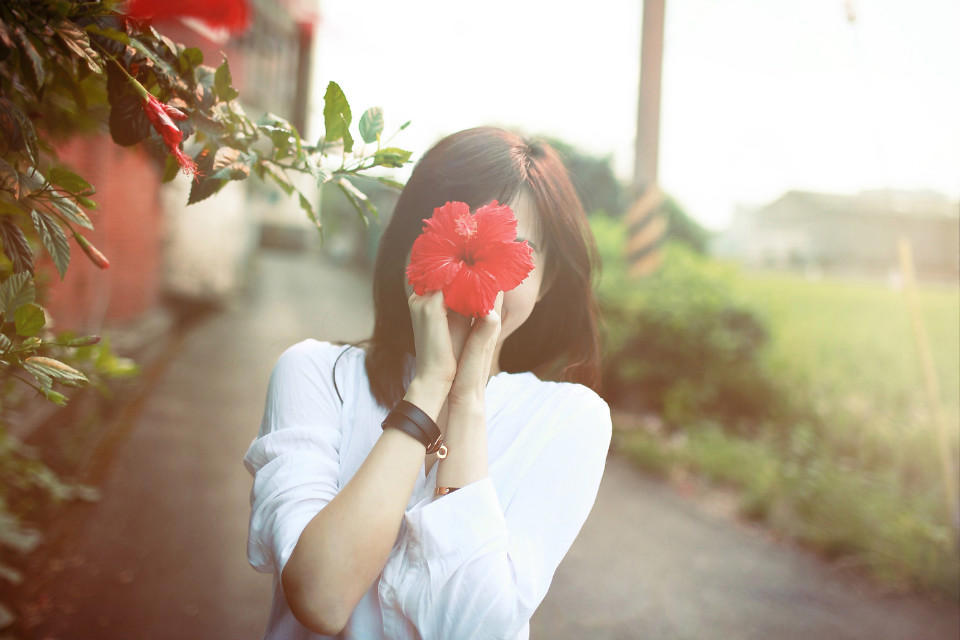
(488, 327)
(459, 330)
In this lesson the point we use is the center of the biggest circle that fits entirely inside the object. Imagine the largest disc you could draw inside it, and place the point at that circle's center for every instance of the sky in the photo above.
(758, 96)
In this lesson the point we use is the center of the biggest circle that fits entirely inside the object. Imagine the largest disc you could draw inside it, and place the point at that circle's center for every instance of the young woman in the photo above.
(368, 532)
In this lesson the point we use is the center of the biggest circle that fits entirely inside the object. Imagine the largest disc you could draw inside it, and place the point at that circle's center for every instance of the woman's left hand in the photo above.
(476, 360)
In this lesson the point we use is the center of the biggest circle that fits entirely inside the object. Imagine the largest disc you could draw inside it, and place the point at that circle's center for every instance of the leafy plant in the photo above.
(70, 66)
(679, 343)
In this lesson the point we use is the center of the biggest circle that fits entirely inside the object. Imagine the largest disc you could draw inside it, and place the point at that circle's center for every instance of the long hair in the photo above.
(559, 339)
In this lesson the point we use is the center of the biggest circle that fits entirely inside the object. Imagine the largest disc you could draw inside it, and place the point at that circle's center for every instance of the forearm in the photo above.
(466, 440)
(343, 549)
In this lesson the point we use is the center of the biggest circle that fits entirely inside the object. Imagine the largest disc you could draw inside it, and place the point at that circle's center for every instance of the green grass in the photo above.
(861, 517)
(853, 342)
(863, 480)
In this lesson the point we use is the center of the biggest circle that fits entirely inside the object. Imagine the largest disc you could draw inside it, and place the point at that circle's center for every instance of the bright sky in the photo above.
(758, 96)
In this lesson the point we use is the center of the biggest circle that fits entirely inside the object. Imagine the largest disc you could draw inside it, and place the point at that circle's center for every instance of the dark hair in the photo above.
(475, 166)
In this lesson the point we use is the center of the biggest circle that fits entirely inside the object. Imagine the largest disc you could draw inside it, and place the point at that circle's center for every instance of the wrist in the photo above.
(428, 394)
(467, 409)
(466, 400)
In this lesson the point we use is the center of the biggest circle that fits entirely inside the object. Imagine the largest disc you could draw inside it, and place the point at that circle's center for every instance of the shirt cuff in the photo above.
(449, 531)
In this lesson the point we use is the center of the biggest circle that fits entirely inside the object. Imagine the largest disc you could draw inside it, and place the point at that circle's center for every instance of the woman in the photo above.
(370, 534)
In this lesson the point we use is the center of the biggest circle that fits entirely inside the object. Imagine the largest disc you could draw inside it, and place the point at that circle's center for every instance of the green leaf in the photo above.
(55, 397)
(5, 343)
(361, 203)
(391, 157)
(278, 175)
(69, 180)
(58, 204)
(79, 43)
(53, 239)
(282, 134)
(59, 371)
(9, 179)
(15, 291)
(321, 175)
(223, 83)
(29, 320)
(108, 32)
(17, 129)
(230, 164)
(336, 116)
(154, 58)
(390, 182)
(404, 125)
(205, 185)
(15, 245)
(87, 202)
(371, 124)
(32, 61)
(170, 168)
(191, 58)
(308, 208)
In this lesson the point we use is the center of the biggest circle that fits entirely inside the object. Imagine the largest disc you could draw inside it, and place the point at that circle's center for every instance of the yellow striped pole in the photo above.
(646, 229)
(646, 224)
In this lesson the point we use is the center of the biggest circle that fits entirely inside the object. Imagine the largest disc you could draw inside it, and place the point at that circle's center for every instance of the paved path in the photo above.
(163, 554)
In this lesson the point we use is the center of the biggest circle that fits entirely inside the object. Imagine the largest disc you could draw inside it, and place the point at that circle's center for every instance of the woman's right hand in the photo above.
(436, 361)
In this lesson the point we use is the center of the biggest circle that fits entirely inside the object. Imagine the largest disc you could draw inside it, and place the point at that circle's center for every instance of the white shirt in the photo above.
(475, 563)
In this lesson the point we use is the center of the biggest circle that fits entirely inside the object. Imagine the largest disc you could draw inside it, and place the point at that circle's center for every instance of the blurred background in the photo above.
(774, 189)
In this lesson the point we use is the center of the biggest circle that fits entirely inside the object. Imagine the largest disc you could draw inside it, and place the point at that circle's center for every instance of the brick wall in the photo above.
(128, 229)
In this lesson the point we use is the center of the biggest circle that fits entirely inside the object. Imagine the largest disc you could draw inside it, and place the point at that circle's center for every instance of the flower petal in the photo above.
(434, 261)
(472, 292)
(508, 263)
(450, 221)
(495, 223)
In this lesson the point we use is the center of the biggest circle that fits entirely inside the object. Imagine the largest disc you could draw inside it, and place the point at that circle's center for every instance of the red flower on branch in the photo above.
(161, 116)
(233, 15)
(470, 258)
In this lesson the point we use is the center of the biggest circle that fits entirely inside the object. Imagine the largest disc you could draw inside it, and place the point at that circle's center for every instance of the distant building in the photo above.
(855, 234)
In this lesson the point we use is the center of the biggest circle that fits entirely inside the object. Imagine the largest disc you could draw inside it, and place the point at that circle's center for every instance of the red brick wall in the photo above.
(127, 229)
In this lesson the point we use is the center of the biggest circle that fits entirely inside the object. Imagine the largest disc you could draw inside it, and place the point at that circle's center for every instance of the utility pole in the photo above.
(646, 224)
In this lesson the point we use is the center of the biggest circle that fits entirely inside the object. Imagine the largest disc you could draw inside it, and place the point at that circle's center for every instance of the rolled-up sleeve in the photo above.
(469, 567)
(294, 460)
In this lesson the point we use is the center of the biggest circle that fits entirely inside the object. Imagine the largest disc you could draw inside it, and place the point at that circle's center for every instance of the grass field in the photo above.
(855, 340)
(864, 481)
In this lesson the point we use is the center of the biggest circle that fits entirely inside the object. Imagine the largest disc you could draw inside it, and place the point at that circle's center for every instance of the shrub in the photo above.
(679, 342)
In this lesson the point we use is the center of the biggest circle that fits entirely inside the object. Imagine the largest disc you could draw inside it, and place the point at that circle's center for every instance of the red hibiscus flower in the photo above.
(233, 15)
(161, 116)
(470, 258)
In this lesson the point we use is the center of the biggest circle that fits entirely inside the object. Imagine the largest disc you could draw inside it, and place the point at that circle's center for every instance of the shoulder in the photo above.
(310, 358)
(567, 396)
(571, 410)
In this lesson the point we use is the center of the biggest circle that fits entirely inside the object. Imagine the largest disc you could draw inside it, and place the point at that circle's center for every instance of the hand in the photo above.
(475, 362)
(436, 358)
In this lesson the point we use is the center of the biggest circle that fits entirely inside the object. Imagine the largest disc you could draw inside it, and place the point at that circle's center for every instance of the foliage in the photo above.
(679, 343)
(68, 67)
(842, 451)
(864, 516)
(682, 228)
(597, 186)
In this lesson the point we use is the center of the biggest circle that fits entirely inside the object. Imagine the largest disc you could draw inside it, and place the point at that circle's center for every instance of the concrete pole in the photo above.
(646, 225)
(646, 151)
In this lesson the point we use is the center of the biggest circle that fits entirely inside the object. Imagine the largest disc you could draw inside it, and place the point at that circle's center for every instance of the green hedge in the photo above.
(679, 343)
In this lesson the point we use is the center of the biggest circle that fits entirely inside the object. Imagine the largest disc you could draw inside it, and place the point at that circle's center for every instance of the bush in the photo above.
(679, 342)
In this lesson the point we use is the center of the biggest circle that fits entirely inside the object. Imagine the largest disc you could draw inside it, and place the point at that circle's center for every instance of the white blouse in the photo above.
(475, 563)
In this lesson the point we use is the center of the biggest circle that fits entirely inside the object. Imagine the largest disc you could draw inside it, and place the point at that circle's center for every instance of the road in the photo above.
(162, 555)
